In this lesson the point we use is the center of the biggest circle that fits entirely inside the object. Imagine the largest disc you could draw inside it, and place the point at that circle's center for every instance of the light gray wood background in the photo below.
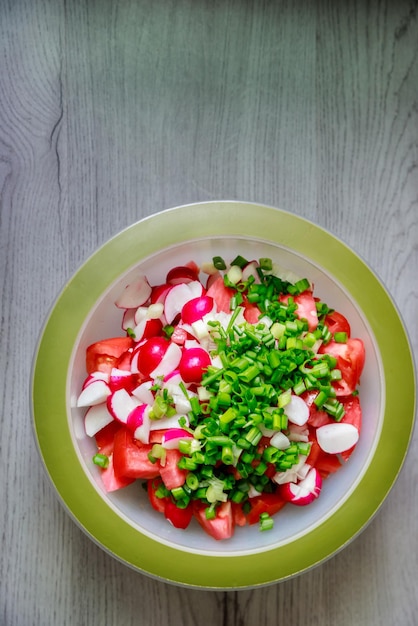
(111, 110)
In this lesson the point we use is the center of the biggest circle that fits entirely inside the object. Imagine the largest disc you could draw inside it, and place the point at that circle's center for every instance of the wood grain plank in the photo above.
(111, 111)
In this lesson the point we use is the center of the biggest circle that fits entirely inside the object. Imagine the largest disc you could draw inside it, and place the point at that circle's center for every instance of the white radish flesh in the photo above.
(94, 393)
(135, 294)
(96, 418)
(121, 404)
(297, 411)
(169, 362)
(338, 437)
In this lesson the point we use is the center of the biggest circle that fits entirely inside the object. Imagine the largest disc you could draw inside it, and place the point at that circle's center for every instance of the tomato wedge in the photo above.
(180, 518)
(270, 503)
(104, 355)
(337, 323)
(221, 526)
(350, 360)
(130, 458)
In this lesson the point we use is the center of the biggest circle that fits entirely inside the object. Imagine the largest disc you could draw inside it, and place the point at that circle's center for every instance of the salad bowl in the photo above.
(122, 522)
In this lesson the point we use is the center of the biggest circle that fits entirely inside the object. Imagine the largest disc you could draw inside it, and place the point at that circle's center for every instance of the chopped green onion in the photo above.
(219, 263)
(101, 460)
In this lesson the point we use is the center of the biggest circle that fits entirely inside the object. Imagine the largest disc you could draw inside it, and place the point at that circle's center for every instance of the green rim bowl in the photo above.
(123, 523)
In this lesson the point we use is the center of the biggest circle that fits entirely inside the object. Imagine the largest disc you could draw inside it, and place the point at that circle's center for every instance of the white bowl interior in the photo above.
(132, 503)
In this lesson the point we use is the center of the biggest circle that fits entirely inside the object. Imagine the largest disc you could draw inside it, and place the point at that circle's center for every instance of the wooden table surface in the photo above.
(111, 110)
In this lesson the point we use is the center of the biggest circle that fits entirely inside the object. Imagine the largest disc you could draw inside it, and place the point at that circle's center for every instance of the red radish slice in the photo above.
(135, 294)
(96, 418)
(159, 293)
(168, 422)
(139, 422)
(169, 361)
(338, 437)
(120, 404)
(128, 320)
(181, 274)
(149, 355)
(143, 392)
(120, 378)
(94, 393)
(193, 363)
(196, 308)
(305, 491)
(173, 436)
(147, 328)
(297, 410)
(91, 378)
(251, 270)
(177, 297)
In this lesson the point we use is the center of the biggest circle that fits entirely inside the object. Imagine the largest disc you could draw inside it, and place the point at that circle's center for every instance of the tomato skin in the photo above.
(111, 481)
(270, 503)
(306, 307)
(222, 526)
(157, 503)
(350, 360)
(180, 518)
(130, 458)
(104, 355)
(337, 323)
(170, 473)
(105, 438)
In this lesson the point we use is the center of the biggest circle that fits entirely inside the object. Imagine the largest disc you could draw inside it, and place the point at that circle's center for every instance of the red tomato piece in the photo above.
(270, 503)
(180, 518)
(157, 503)
(306, 307)
(251, 312)
(103, 355)
(337, 323)
(111, 482)
(106, 436)
(239, 517)
(350, 360)
(170, 473)
(221, 526)
(221, 294)
(130, 458)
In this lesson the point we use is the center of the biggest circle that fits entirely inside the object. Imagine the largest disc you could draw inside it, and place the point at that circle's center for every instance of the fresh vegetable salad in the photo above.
(231, 394)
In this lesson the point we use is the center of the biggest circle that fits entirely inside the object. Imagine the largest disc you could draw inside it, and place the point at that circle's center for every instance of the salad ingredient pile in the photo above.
(232, 393)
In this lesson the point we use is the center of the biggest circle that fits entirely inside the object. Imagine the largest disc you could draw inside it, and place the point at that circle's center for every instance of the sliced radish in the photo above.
(297, 411)
(91, 378)
(139, 422)
(120, 378)
(168, 422)
(305, 491)
(143, 392)
(135, 294)
(169, 362)
(128, 320)
(94, 393)
(148, 328)
(173, 436)
(149, 355)
(177, 297)
(120, 404)
(96, 418)
(193, 364)
(251, 270)
(181, 274)
(196, 308)
(338, 437)
(280, 441)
